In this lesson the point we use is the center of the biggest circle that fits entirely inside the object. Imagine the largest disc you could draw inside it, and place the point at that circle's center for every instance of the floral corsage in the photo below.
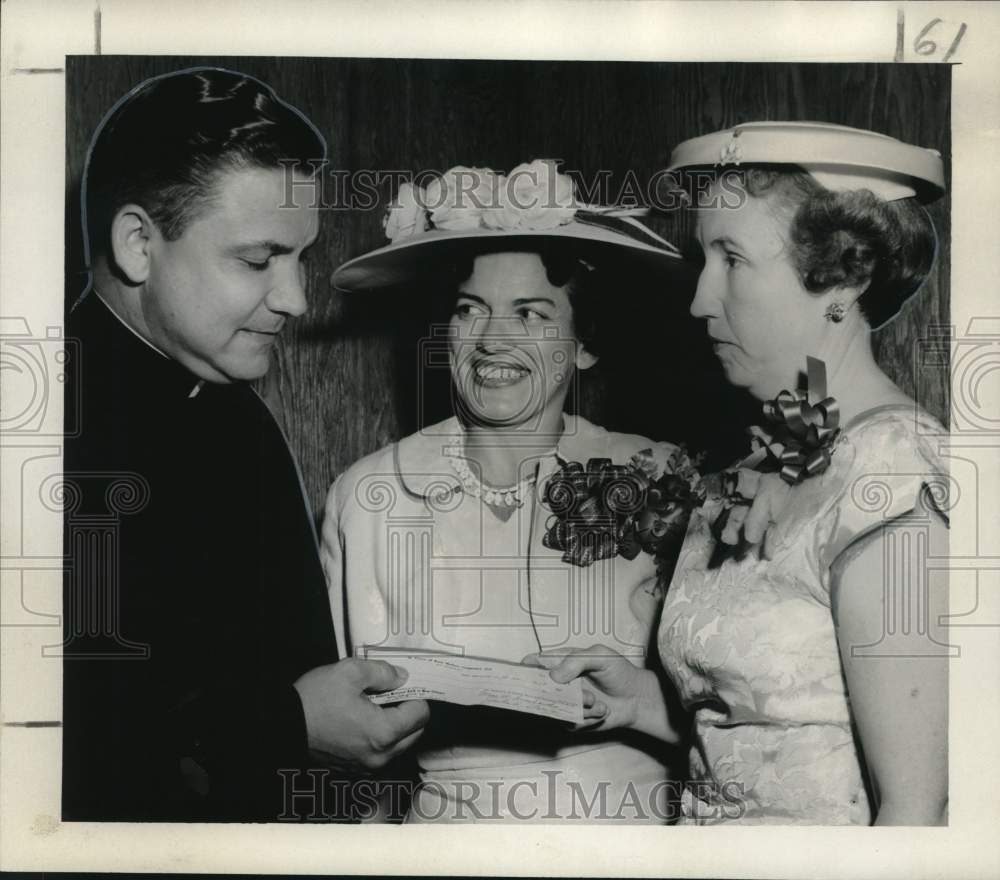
(603, 509)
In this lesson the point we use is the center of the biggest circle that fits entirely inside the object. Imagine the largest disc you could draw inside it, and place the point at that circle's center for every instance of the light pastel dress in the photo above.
(413, 562)
(751, 644)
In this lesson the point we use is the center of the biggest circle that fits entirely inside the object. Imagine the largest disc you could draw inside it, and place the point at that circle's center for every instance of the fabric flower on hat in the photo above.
(408, 214)
(534, 196)
(458, 197)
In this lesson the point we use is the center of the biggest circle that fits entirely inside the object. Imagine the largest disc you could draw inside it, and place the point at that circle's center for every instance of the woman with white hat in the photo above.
(814, 688)
(442, 542)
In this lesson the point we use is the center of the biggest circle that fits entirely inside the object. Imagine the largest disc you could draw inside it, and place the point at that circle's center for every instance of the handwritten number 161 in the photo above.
(923, 46)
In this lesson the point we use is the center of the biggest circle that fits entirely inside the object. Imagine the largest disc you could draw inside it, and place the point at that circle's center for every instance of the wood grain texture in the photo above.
(349, 378)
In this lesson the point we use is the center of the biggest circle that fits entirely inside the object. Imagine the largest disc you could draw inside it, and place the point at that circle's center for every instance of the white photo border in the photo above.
(35, 40)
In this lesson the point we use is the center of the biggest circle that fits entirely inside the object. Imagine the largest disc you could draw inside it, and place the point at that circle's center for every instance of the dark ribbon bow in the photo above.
(806, 423)
(605, 509)
(590, 509)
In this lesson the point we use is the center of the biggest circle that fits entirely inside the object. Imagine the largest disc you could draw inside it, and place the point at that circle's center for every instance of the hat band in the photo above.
(625, 226)
(887, 186)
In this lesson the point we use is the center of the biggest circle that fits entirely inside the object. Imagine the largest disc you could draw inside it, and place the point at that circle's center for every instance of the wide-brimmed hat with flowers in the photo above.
(466, 206)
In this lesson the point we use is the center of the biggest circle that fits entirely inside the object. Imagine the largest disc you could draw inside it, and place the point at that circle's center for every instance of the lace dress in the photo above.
(751, 645)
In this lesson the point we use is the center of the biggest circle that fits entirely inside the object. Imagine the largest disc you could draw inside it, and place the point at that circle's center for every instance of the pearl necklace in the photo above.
(472, 485)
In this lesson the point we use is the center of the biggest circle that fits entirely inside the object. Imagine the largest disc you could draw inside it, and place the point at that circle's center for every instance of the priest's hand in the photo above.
(345, 728)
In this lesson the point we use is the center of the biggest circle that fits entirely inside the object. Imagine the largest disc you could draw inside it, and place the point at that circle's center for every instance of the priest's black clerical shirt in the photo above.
(194, 596)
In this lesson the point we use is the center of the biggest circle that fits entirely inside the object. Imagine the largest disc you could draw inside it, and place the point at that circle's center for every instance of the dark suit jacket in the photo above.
(194, 595)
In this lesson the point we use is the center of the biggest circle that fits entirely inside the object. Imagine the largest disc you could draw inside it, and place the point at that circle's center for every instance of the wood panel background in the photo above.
(348, 377)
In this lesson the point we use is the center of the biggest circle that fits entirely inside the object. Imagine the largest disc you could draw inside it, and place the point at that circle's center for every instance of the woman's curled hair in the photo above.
(851, 239)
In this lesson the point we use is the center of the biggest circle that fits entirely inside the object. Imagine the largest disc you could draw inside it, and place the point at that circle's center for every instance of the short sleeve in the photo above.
(895, 471)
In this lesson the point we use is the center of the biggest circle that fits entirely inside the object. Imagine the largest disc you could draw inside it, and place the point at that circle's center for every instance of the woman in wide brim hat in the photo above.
(817, 688)
(443, 541)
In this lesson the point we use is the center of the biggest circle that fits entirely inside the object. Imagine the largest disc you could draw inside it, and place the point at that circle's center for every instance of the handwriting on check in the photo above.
(476, 682)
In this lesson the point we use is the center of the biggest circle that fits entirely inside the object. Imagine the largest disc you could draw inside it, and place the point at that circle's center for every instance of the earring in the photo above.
(835, 312)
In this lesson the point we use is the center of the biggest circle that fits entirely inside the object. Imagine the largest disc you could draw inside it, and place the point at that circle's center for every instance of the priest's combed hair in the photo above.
(164, 145)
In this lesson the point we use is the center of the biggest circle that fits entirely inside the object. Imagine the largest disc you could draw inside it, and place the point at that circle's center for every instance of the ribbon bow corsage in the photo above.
(797, 443)
(805, 425)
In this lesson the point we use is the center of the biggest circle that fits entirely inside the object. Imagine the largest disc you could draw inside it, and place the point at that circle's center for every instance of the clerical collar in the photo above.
(199, 383)
(128, 326)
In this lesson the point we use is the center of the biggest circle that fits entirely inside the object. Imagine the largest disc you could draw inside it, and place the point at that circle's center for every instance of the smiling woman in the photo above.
(514, 342)
(435, 543)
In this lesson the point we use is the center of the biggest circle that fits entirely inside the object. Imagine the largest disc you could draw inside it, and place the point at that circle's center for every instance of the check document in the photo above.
(474, 681)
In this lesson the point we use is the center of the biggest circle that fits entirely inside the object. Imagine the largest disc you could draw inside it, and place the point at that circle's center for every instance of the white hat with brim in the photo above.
(838, 157)
(419, 254)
